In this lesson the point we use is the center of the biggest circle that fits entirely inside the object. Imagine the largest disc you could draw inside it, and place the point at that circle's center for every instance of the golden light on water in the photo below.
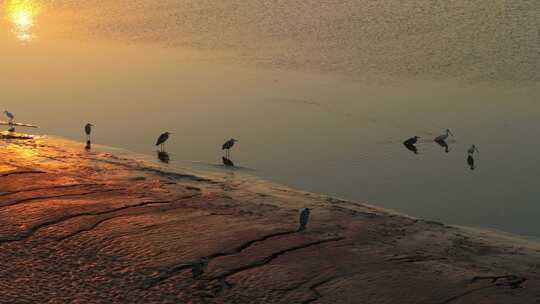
(22, 14)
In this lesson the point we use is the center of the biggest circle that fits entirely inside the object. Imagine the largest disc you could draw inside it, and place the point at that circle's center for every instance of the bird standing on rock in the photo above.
(162, 139)
(304, 219)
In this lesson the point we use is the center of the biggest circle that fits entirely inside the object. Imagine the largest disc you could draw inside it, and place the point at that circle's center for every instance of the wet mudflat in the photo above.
(91, 227)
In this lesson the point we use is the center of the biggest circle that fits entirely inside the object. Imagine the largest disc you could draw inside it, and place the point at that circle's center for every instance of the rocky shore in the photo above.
(80, 226)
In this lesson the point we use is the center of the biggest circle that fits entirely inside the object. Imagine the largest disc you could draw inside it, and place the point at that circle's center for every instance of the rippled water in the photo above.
(320, 94)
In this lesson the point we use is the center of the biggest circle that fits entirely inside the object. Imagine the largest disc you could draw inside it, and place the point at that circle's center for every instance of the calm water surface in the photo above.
(320, 95)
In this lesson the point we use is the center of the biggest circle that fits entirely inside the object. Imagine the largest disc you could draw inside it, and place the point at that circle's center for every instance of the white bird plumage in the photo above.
(444, 136)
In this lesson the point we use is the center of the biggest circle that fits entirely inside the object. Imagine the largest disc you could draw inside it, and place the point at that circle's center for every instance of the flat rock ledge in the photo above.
(90, 227)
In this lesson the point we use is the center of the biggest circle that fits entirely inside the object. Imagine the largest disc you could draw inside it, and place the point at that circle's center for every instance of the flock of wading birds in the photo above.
(410, 144)
(200, 266)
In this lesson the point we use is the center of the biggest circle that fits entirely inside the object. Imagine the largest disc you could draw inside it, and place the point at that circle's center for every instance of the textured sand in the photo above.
(89, 227)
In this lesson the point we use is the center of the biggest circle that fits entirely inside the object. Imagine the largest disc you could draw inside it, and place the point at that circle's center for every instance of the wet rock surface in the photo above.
(79, 226)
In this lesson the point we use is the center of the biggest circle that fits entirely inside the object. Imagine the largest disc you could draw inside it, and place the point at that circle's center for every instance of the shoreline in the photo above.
(94, 227)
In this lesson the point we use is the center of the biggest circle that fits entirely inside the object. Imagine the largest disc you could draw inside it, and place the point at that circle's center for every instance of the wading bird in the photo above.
(304, 219)
(444, 136)
(9, 115)
(162, 139)
(473, 149)
(88, 130)
(227, 146)
(411, 141)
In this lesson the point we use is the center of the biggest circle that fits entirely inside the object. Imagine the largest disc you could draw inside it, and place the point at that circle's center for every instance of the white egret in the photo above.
(444, 136)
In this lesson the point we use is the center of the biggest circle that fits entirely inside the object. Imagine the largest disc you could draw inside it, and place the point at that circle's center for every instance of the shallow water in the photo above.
(320, 95)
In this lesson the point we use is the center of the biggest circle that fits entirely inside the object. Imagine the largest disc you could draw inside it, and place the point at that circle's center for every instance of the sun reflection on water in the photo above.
(22, 14)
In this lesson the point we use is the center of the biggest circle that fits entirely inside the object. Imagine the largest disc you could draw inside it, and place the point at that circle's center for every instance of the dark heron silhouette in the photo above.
(470, 162)
(411, 141)
(227, 162)
(163, 157)
(198, 268)
(88, 130)
(304, 219)
(162, 139)
(88, 145)
(227, 146)
(410, 144)
(443, 144)
(411, 148)
(9, 115)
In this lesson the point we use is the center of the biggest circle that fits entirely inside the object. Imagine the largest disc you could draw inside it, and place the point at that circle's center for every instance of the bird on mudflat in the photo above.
(444, 136)
(162, 139)
(473, 149)
(227, 146)
(304, 219)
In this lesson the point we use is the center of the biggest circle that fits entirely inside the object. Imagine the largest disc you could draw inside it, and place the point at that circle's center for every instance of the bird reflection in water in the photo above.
(443, 144)
(470, 162)
(163, 157)
(227, 162)
(88, 145)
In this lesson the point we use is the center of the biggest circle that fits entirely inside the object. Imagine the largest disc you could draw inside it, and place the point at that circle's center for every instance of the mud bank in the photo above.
(92, 227)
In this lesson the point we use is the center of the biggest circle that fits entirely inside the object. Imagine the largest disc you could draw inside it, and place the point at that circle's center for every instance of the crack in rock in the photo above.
(21, 172)
(28, 233)
(49, 188)
(173, 271)
(30, 199)
(317, 294)
(512, 281)
(268, 259)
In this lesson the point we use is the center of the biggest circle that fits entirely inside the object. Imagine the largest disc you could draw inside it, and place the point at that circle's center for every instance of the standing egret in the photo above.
(411, 141)
(473, 149)
(227, 146)
(304, 219)
(88, 130)
(444, 136)
(9, 115)
(162, 139)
